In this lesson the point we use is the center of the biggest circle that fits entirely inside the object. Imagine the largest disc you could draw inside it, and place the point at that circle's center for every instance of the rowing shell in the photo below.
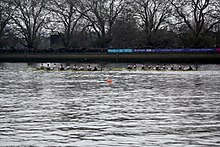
(108, 69)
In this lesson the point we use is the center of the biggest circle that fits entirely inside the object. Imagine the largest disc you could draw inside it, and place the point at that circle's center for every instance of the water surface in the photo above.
(139, 108)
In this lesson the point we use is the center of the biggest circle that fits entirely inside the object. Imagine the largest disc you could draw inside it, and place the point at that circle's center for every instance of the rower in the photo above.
(42, 66)
(180, 67)
(190, 68)
(48, 67)
(75, 67)
(134, 66)
(89, 68)
(129, 67)
(142, 66)
(171, 68)
(164, 67)
(54, 66)
(157, 67)
(61, 67)
(81, 68)
(68, 67)
(95, 69)
(196, 67)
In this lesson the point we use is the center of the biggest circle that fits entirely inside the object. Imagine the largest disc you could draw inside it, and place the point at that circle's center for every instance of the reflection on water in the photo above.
(140, 108)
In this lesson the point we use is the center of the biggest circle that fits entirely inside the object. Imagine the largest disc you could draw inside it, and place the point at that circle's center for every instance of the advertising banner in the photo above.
(164, 50)
(120, 50)
(202, 50)
(143, 50)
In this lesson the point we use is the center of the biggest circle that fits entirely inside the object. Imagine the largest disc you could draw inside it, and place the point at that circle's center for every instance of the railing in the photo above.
(107, 51)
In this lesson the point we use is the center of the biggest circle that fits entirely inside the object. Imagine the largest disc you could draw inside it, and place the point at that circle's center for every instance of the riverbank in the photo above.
(117, 58)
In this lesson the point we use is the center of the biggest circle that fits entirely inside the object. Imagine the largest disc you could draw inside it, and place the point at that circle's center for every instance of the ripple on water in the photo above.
(81, 109)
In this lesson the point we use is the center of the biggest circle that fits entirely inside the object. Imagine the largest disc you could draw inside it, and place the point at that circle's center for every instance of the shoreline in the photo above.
(205, 58)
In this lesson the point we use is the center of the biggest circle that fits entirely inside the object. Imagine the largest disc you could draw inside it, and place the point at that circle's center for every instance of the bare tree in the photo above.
(197, 16)
(214, 15)
(152, 15)
(67, 13)
(102, 15)
(30, 17)
(6, 13)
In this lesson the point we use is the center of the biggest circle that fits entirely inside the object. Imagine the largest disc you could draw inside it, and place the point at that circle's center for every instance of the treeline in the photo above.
(109, 23)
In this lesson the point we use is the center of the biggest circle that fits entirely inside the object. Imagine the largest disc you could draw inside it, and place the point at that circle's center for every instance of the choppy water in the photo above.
(81, 109)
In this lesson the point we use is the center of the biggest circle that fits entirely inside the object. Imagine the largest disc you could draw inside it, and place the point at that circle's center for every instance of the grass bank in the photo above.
(118, 58)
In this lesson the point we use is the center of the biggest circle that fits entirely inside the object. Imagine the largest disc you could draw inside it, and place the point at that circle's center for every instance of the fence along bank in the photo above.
(189, 55)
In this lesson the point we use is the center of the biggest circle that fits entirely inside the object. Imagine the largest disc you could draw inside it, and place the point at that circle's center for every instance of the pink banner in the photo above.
(218, 50)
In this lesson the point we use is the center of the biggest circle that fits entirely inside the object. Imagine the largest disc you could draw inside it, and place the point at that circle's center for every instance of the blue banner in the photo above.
(158, 50)
(120, 50)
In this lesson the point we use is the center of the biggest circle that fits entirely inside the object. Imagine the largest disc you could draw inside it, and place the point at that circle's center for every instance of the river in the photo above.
(81, 109)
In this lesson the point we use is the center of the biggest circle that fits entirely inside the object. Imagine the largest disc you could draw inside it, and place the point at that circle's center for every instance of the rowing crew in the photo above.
(75, 67)
(158, 67)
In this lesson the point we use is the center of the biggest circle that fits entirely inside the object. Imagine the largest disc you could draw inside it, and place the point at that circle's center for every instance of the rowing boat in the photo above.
(108, 69)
